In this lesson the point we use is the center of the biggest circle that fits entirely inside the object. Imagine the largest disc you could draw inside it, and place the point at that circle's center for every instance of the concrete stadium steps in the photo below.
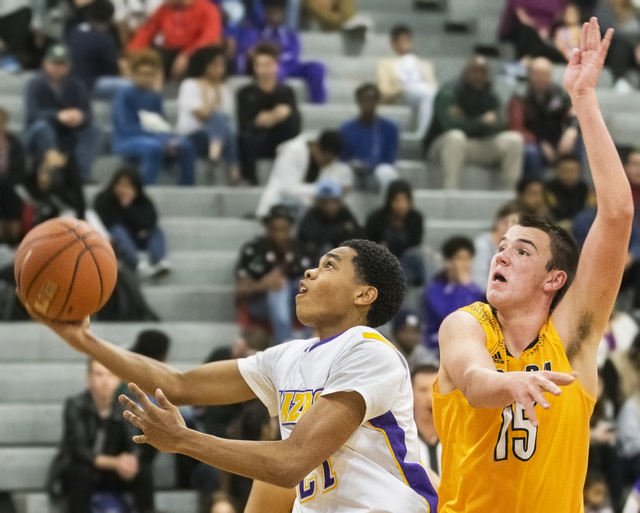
(197, 267)
(625, 128)
(178, 501)
(203, 303)
(192, 342)
(208, 234)
(30, 424)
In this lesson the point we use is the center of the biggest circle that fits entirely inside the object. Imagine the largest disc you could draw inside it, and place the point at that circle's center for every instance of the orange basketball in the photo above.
(65, 270)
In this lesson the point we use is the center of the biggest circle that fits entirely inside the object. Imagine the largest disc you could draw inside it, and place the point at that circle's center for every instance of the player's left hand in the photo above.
(161, 425)
(586, 62)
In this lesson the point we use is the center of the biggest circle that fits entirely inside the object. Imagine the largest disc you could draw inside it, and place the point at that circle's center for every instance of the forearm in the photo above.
(611, 184)
(278, 463)
(486, 388)
(103, 462)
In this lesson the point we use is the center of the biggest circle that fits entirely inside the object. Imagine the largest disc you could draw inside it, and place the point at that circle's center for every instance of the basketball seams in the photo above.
(73, 280)
(47, 263)
(99, 274)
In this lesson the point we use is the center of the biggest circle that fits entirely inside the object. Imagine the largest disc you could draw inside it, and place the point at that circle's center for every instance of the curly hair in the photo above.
(376, 266)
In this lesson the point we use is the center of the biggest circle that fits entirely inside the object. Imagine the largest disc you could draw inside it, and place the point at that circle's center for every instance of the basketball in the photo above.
(65, 270)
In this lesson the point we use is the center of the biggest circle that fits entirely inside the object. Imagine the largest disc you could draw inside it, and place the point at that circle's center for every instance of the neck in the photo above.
(212, 81)
(367, 119)
(335, 328)
(103, 405)
(426, 428)
(521, 325)
(267, 84)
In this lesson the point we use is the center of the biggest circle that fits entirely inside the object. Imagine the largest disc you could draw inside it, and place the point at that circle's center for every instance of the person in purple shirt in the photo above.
(452, 288)
(288, 40)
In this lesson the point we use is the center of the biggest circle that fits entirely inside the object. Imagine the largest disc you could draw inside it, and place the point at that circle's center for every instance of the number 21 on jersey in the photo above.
(308, 487)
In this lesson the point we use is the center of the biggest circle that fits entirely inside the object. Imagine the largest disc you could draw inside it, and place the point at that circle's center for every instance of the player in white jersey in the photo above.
(344, 400)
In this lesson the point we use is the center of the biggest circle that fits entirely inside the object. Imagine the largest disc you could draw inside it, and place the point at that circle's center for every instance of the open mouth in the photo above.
(498, 277)
(302, 289)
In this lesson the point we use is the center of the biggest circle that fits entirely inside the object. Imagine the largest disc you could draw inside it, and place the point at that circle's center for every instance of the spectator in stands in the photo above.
(530, 197)
(140, 131)
(629, 438)
(58, 115)
(132, 220)
(467, 128)
(451, 289)
(370, 143)
(529, 25)
(98, 454)
(399, 226)
(596, 494)
(422, 379)
(20, 25)
(407, 78)
(299, 164)
(287, 40)
(567, 194)
(268, 273)
(328, 222)
(94, 50)
(545, 119)
(631, 277)
(406, 335)
(12, 173)
(182, 26)
(486, 244)
(626, 363)
(341, 15)
(566, 36)
(205, 109)
(267, 112)
(619, 334)
(632, 169)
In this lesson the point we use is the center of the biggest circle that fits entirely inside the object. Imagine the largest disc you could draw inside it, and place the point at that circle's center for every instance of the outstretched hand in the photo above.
(161, 425)
(586, 62)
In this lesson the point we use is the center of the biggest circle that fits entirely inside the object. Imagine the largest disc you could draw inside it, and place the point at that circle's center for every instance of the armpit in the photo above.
(582, 332)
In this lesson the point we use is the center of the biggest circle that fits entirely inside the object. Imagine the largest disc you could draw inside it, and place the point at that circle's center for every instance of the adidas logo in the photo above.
(497, 357)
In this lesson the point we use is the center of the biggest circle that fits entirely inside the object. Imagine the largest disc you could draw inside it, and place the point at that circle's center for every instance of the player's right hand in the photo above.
(528, 388)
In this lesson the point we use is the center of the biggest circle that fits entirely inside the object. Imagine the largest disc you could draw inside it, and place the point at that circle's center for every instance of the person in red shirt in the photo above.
(183, 26)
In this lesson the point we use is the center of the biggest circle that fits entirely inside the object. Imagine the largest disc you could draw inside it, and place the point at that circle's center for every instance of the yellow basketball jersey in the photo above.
(496, 461)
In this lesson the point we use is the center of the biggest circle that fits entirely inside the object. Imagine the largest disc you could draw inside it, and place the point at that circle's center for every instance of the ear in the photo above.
(366, 296)
(556, 279)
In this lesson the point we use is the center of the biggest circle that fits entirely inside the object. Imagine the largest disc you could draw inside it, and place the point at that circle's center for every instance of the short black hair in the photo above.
(201, 58)
(330, 141)
(365, 88)
(100, 11)
(564, 251)
(152, 343)
(131, 174)
(512, 207)
(452, 245)
(400, 30)
(524, 183)
(278, 4)
(425, 368)
(567, 158)
(267, 48)
(376, 266)
(278, 212)
(399, 186)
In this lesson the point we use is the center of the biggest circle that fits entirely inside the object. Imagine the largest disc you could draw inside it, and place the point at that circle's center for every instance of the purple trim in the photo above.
(320, 342)
(414, 473)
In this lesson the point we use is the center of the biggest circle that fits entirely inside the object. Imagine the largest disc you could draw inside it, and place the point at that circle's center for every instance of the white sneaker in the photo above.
(144, 270)
(622, 86)
(162, 268)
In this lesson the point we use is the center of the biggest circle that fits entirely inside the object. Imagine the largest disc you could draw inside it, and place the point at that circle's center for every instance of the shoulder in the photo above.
(415, 216)
(368, 339)
(467, 321)
(188, 84)
(252, 247)
(349, 125)
(387, 124)
(377, 215)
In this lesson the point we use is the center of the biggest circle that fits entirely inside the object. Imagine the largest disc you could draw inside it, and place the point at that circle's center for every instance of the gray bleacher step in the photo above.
(30, 424)
(174, 501)
(201, 233)
(437, 231)
(190, 303)
(200, 267)
(190, 341)
(625, 128)
(319, 117)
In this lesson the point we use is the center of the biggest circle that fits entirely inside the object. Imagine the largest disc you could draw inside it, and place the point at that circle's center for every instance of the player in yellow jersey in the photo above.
(513, 440)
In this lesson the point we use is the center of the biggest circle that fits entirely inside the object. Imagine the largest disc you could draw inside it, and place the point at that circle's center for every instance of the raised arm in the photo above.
(465, 364)
(211, 384)
(582, 315)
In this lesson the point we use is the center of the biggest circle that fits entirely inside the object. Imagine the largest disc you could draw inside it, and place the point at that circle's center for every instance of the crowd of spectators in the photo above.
(130, 53)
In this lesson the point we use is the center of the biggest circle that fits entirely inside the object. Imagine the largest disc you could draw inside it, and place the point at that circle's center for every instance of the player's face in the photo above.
(519, 270)
(328, 291)
(422, 395)
(102, 382)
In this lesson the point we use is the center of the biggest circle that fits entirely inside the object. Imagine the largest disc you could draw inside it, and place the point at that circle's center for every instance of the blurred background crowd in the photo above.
(224, 145)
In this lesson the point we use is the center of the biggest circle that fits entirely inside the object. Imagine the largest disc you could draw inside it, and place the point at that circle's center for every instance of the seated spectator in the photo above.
(58, 115)
(299, 164)
(467, 128)
(631, 277)
(545, 119)
(530, 198)
(140, 131)
(205, 109)
(12, 173)
(626, 363)
(267, 112)
(619, 334)
(629, 439)
(422, 379)
(182, 26)
(596, 494)
(267, 275)
(406, 335)
(407, 78)
(567, 194)
(632, 168)
(399, 226)
(132, 220)
(486, 244)
(94, 50)
(370, 143)
(20, 25)
(328, 223)
(566, 36)
(451, 289)
(529, 24)
(287, 40)
(98, 454)
(333, 15)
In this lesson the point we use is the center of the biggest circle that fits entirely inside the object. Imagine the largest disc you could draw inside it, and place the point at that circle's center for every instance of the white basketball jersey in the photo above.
(378, 469)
